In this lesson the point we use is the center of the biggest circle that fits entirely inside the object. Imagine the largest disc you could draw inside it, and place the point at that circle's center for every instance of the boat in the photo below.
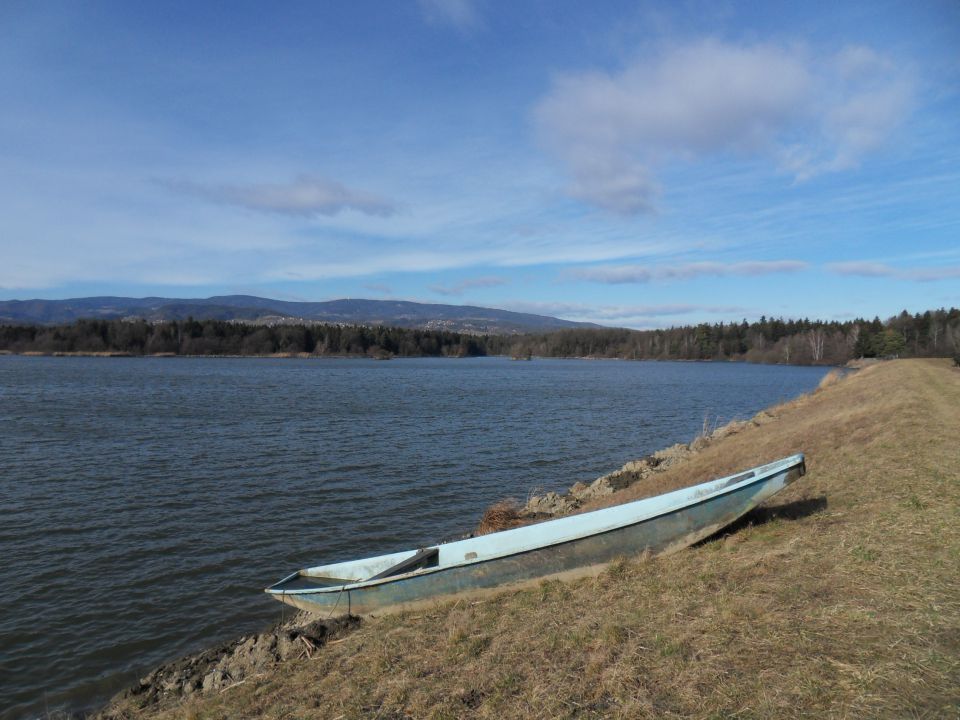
(566, 547)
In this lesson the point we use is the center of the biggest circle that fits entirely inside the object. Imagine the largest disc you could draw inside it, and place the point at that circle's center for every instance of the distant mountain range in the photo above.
(396, 313)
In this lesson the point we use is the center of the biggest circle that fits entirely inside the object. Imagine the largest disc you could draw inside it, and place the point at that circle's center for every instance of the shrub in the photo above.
(502, 515)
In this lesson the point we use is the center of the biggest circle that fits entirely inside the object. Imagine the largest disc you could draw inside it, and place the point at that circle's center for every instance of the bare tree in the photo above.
(934, 334)
(815, 339)
(853, 337)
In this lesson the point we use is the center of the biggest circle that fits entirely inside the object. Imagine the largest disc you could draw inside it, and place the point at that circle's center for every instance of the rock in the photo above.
(192, 685)
(246, 646)
(215, 680)
(731, 428)
(549, 504)
(672, 454)
(217, 667)
(171, 684)
(552, 504)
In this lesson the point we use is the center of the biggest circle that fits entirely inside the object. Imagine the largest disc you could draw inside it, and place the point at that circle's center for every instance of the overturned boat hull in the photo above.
(565, 547)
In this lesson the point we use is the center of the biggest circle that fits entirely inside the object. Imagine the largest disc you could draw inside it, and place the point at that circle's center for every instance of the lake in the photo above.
(145, 502)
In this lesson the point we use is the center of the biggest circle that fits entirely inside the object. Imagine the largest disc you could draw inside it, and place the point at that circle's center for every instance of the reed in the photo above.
(502, 515)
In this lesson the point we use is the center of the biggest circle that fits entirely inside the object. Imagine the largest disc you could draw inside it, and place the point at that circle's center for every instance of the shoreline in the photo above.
(312, 356)
(218, 668)
(810, 588)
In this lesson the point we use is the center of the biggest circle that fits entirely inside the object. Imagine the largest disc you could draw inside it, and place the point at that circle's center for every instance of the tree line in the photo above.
(768, 340)
(934, 333)
(220, 337)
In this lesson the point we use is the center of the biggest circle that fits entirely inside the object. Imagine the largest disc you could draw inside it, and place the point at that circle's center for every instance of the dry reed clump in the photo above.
(502, 515)
(837, 599)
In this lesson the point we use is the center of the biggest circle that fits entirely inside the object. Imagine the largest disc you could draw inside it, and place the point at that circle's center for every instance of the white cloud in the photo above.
(464, 285)
(876, 269)
(636, 274)
(306, 196)
(461, 14)
(613, 131)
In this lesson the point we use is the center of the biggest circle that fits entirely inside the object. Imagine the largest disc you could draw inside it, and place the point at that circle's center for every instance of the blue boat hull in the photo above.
(662, 533)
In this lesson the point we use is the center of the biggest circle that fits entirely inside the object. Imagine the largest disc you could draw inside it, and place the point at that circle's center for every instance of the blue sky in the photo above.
(634, 164)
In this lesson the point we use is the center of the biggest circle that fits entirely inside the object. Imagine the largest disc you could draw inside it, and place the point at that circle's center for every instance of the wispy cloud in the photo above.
(461, 14)
(381, 288)
(637, 274)
(306, 196)
(877, 270)
(637, 316)
(464, 285)
(807, 115)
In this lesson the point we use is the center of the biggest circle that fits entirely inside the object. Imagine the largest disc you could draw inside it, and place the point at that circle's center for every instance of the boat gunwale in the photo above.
(772, 470)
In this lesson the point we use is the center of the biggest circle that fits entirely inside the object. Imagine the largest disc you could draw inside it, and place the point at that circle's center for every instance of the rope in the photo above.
(339, 595)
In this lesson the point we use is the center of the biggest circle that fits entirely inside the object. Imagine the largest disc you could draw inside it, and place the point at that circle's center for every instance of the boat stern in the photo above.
(797, 470)
(311, 593)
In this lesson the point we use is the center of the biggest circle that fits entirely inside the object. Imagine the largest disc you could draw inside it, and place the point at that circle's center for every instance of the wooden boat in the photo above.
(566, 547)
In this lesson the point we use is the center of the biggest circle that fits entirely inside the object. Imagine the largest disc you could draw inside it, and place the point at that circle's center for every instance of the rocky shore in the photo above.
(645, 469)
(809, 591)
(220, 668)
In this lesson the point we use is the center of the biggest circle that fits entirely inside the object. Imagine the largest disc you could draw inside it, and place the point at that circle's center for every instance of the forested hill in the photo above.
(804, 342)
(396, 313)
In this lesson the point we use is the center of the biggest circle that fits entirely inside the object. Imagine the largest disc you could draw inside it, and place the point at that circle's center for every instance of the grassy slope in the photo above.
(842, 599)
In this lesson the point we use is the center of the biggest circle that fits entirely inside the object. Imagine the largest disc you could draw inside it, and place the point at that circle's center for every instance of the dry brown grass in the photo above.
(840, 600)
(831, 378)
(501, 515)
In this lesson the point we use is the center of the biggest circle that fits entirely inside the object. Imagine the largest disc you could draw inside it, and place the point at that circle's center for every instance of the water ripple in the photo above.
(144, 503)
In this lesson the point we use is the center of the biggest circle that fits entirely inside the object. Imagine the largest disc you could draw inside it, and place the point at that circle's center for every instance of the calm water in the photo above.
(144, 503)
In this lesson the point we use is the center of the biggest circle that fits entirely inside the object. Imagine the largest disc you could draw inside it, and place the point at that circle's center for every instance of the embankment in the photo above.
(839, 599)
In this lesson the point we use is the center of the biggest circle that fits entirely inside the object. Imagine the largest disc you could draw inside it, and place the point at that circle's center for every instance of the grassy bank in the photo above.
(840, 599)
